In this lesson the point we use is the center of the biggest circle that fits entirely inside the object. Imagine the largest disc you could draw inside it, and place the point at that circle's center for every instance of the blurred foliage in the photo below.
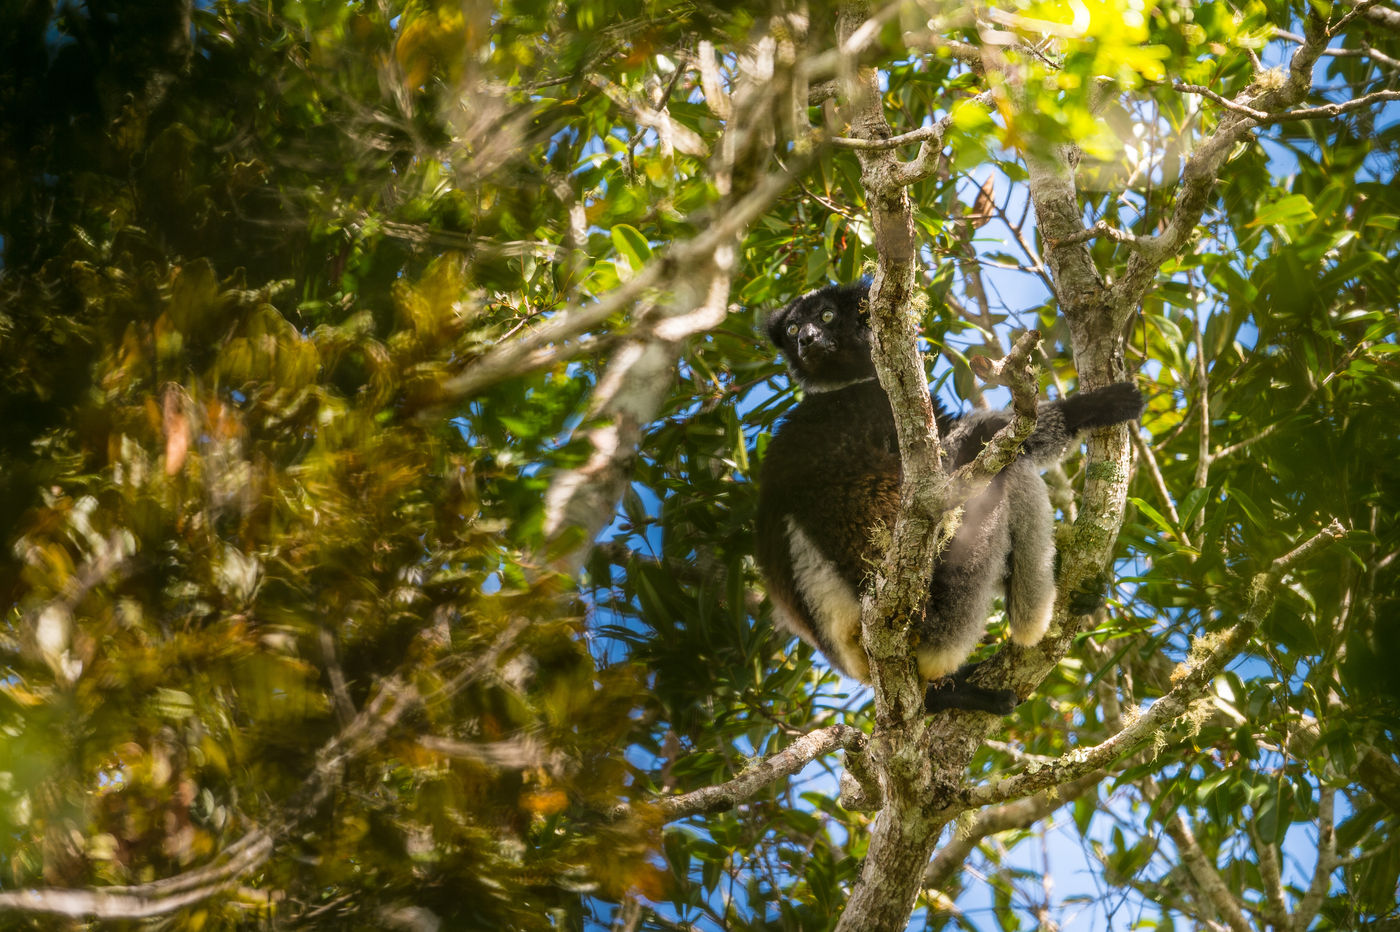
(242, 256)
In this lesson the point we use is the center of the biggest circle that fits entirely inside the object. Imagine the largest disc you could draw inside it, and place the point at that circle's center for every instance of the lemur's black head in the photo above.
(825, 336)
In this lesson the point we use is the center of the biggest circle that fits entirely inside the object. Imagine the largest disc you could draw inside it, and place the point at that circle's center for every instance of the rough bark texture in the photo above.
(904, 831)
(920, 762)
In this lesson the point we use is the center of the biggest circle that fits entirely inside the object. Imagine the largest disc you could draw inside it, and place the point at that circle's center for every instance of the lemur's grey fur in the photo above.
(831, 477)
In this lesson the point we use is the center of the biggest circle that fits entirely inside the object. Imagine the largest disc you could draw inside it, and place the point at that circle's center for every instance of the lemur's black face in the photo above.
(825, 336)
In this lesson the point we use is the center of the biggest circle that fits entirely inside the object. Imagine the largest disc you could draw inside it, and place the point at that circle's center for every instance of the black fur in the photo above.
(831, 480)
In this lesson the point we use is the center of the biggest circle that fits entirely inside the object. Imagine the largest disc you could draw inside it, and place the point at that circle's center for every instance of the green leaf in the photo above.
(1291, 209)
(1156, 517)
(632, 244)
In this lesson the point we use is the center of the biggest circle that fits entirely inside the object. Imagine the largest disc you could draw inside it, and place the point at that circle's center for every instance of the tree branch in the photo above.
(924, 133)
(1102, 228)
(904, 831)
(557, 340)
(1197, 677)
(1327, 861)
(1271, 875)
(1363, 50)
(1021, 813)
(1255, 105)
(926, 162)
(1384, 16)
(521, 752)
(580, 502)
(930, 137)
(672, 133)
(1147, 457)
(146, 901)
(766, 772)
(395, 699)
(1203, 871)
(860, 784)
(1013, 371)
(1265, 118)
(901, 583)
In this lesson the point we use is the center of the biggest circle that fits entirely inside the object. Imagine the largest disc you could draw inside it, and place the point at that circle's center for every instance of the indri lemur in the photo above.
(831, 476)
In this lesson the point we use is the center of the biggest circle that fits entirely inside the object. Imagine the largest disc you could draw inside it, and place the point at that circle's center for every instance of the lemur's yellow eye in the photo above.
(828, 316)
(792, 330)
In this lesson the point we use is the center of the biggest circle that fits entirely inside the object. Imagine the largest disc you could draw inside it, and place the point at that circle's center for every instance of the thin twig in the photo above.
(1145, 455)
(1101, 229)
(1207, 876)
(923, 133)
(1363, 51)
(764, 773)
(557, 340)
(1265, 118)
(1321, 880)
(1021, 813)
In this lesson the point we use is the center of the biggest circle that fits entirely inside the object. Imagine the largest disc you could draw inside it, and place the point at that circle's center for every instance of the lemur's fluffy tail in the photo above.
(1059, 423)
(1113, 404)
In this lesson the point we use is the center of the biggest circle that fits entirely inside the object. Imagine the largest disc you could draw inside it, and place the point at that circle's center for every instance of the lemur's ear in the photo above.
(861, 289)
(775, 324)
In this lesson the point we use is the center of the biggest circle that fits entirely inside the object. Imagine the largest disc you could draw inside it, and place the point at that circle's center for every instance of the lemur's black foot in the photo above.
(955, 692)
(1091, 596)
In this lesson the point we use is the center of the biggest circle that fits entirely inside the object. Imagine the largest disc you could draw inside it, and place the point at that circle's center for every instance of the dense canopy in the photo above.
(383, 394)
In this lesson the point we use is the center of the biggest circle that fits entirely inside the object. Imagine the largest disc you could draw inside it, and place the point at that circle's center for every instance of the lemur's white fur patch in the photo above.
(1031, 587)
(786, 616)
(946, 658)
(1028, 630)
(834, 603)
